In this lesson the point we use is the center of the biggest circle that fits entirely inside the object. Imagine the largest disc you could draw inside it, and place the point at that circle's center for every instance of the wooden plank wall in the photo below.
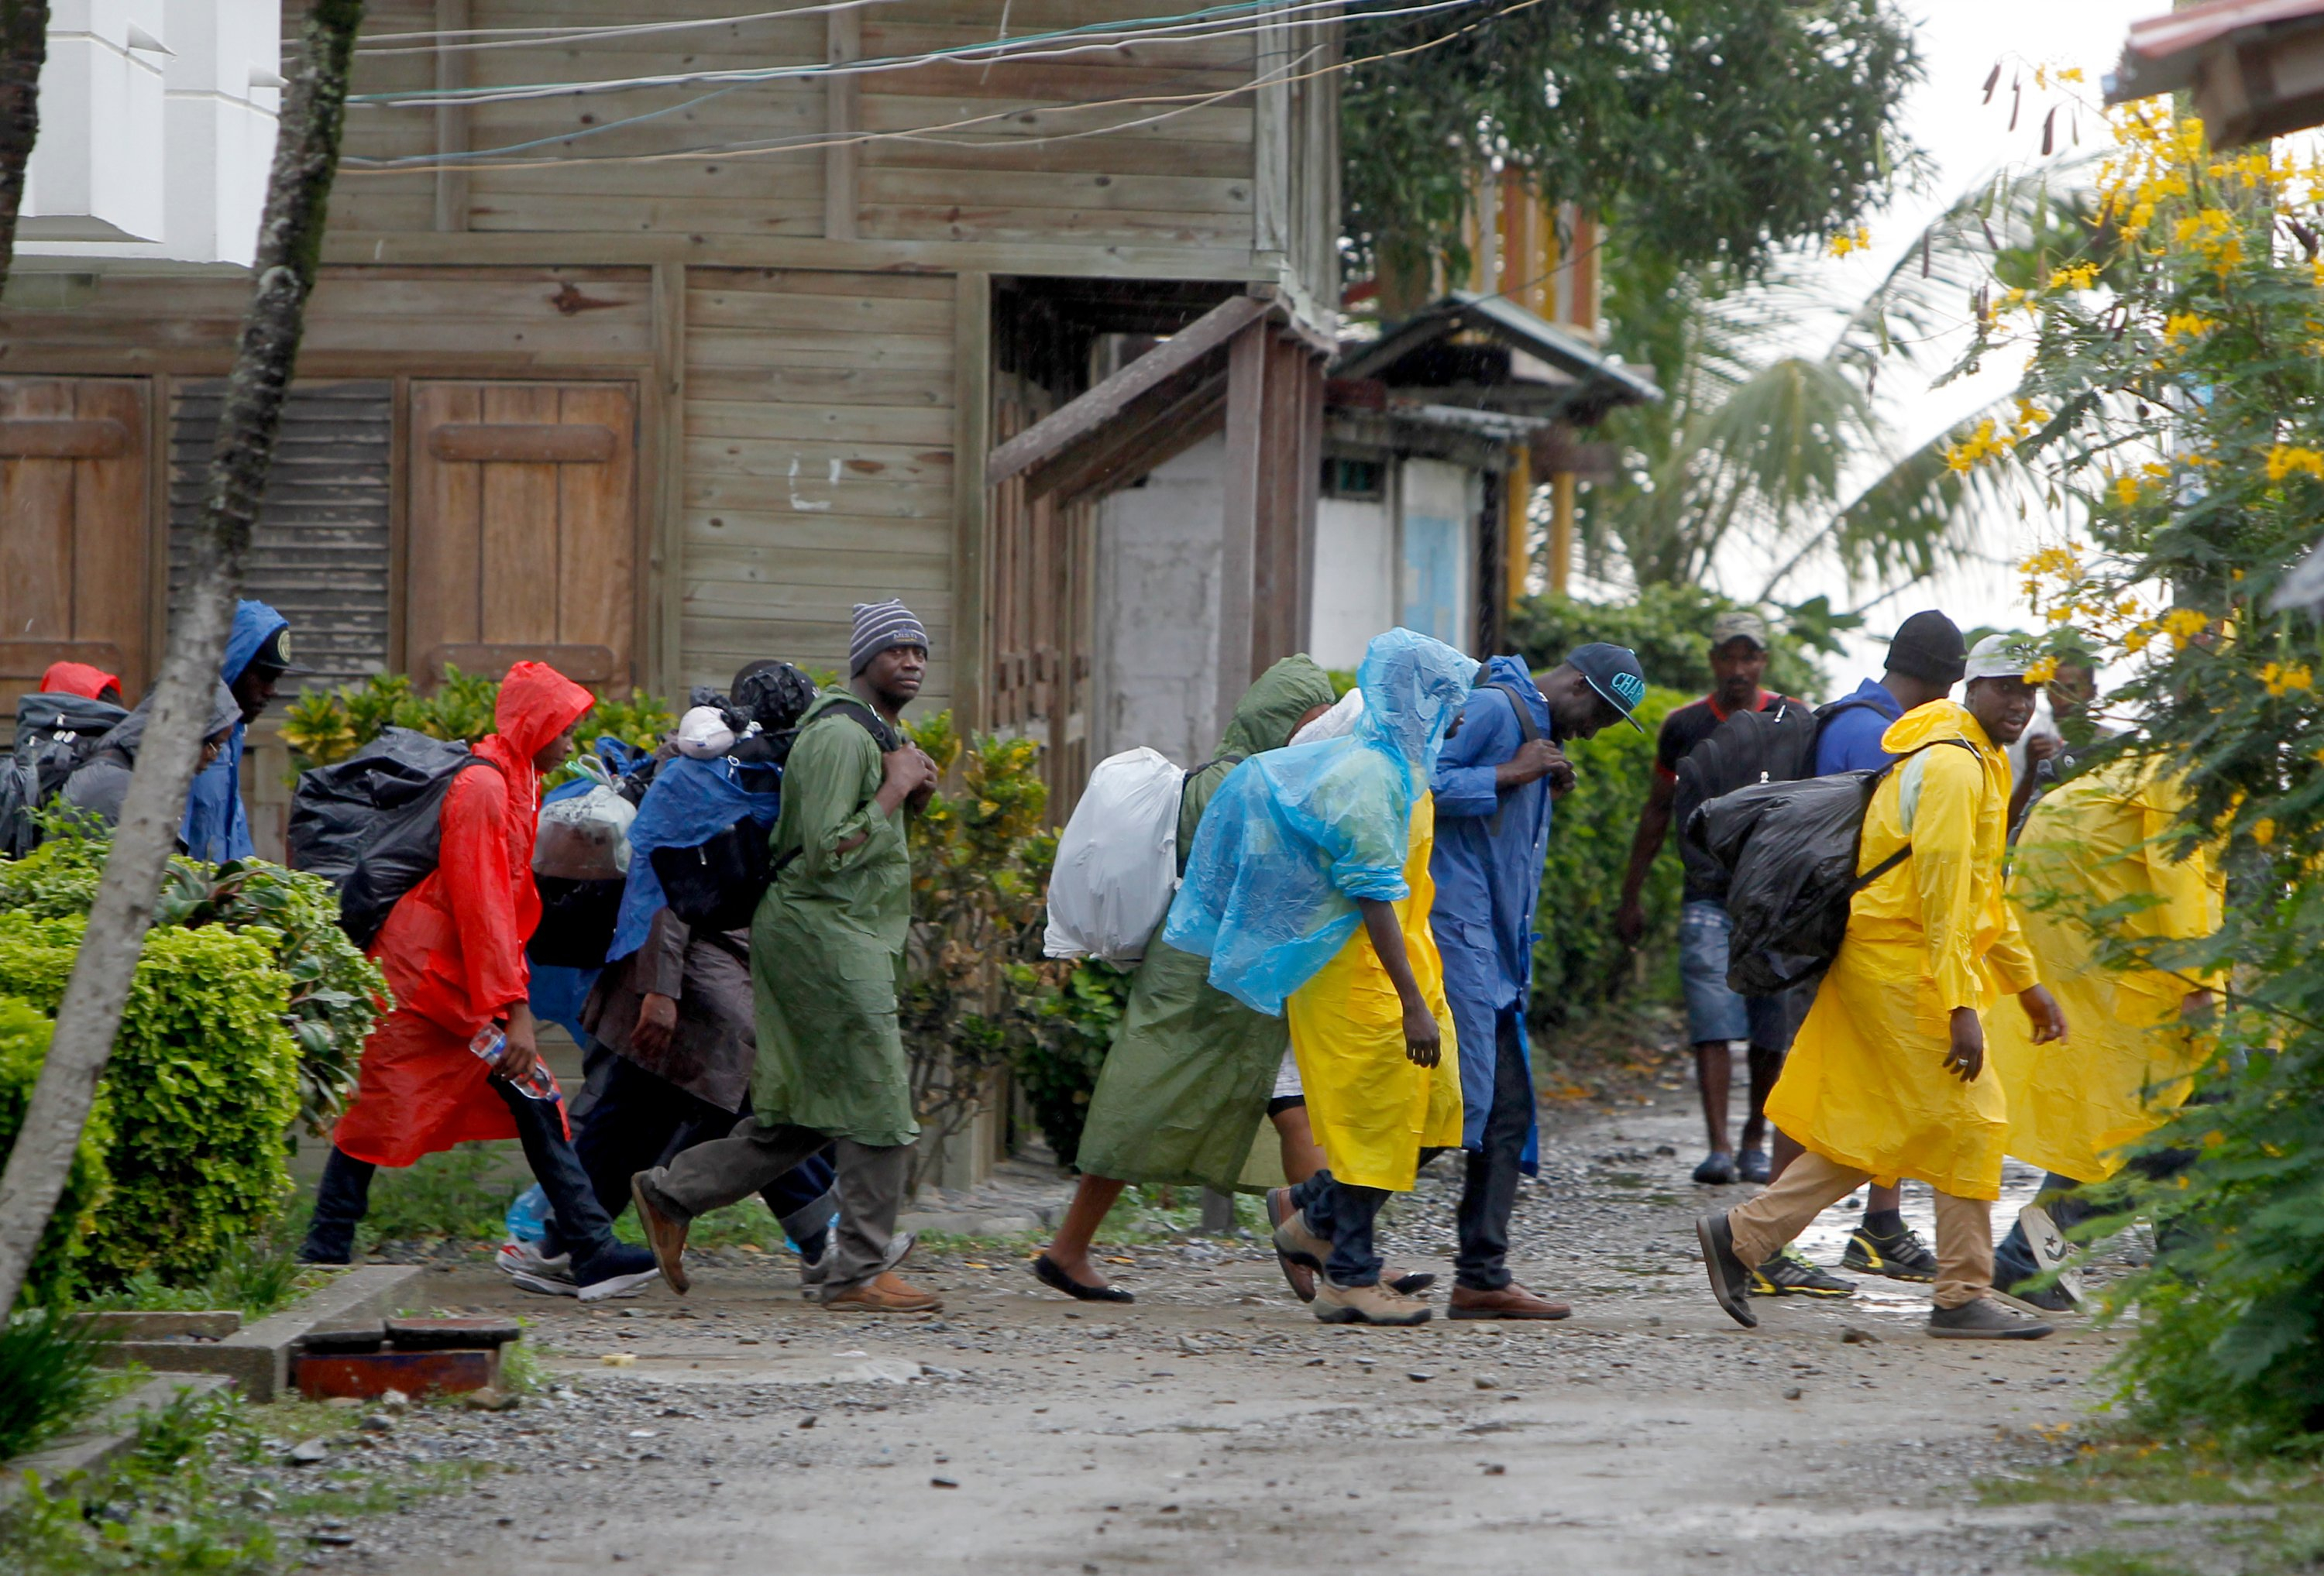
(1004, 151)
(818, 454)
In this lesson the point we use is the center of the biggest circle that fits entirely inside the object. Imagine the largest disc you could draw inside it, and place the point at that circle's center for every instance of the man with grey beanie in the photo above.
(825, 949)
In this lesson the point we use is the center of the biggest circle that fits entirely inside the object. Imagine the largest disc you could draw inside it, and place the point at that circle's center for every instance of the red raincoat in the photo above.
(453, 948)
(78, 679)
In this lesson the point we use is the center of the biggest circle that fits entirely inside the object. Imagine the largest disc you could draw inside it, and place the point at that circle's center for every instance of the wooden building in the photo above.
(671, 337)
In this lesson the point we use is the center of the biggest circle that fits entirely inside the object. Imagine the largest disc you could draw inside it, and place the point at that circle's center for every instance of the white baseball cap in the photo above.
(703, 735)
(2000, 657)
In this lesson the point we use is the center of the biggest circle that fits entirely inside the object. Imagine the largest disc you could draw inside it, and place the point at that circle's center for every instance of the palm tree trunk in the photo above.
(24, 50)
(290, 244)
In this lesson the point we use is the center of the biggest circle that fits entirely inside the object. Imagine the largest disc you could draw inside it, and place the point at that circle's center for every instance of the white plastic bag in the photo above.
(1117, 860)
(584, 838)
(1336, 724)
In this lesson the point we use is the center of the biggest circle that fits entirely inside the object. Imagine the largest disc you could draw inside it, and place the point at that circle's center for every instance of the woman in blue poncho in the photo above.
(1308, 890)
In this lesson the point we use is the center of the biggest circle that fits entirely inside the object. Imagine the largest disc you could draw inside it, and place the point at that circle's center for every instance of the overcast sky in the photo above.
(1960, 41)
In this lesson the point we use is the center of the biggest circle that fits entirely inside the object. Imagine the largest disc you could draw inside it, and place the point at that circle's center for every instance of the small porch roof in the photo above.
(1585, 382)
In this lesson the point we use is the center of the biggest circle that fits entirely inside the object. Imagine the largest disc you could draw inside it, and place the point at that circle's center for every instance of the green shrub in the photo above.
(49, 1377)
(203, 1081)
(23, 1043)
(1578, 964)
(1669, 627)
(325, 725)
(1057, 1067)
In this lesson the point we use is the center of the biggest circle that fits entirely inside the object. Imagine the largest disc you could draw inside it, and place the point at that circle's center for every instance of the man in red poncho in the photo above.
(453, 951)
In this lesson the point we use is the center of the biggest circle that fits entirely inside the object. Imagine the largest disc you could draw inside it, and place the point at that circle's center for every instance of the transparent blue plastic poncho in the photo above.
(688, 803)
(1294, 837)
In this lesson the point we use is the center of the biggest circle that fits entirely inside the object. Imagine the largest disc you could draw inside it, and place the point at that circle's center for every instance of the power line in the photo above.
(1191, 101)
(507, 37)
(1202, 26)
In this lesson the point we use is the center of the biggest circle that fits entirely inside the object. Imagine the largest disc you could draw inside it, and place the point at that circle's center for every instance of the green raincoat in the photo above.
(828, 941)
(1186, 1085)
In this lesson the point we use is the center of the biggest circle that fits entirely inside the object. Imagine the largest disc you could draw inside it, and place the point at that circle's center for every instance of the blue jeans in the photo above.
(1713, 1011)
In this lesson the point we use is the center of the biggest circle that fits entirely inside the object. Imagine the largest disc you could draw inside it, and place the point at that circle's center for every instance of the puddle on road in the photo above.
(1827, 1240)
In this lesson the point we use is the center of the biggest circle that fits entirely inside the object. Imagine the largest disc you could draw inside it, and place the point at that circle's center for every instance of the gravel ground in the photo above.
(1215, 1425)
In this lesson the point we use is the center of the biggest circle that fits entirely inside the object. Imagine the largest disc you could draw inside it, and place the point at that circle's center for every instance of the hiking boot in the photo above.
(1371, 1305)
(1717, 1170)
(1902, 1256)
(1509, 1302)
(551, 1275)
(619, 1270)
(1300, 1277)
(1751, 1166)
(665, 1227)
(1985, 1320)
(885, 1292)
(1789, 1272)
(813, 1271)
(1731, 1277)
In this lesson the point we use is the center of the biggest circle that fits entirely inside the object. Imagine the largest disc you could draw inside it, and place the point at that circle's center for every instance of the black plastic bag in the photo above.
(370, 824)
(717, 885)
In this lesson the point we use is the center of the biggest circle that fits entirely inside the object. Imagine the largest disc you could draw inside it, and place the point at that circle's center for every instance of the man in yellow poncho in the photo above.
(2101, 842)
(1887, 1077)
(1308, 888)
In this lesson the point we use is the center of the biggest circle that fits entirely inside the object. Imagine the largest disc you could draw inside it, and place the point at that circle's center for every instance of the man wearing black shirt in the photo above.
(1716, 1015)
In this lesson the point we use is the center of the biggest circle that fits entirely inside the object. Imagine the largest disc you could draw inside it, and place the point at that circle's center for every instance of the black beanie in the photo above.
(1928, 646)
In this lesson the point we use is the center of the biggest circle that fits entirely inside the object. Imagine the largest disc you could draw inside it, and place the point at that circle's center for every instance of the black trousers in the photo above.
(1490, 1192)
(345, 1192)
(641, 1121)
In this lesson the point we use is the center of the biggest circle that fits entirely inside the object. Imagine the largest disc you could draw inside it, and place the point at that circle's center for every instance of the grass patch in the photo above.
(259, 1275)
(2282, 1532)
(462, 1194)
(48, 1377)
(750, 1225)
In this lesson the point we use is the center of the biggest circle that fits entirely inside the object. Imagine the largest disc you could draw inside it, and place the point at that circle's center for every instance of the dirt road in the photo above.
(1215, 1426)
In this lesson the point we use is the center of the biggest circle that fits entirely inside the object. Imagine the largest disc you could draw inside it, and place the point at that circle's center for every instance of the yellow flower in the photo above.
(2125, 491)
(2136, 640)
(2184, 623)
(2186, 326)
(2069, 73)
(2263, 833)
(2281, 677)
(2042, 670)
(1857, 240)
(2281, 461)
(2075, 276)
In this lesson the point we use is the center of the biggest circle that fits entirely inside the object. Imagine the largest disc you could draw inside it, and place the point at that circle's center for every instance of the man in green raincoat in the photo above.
(1191, 1069)
(825, 951)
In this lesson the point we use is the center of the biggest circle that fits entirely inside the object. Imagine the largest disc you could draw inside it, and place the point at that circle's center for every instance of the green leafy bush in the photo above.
(203, 1081)
(325, 725)
(23, 1043)
(1578, 964)
(334, 991)
(1057, 1067)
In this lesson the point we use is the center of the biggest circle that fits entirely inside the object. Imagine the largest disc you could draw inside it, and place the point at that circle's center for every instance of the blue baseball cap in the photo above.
(1613, 671)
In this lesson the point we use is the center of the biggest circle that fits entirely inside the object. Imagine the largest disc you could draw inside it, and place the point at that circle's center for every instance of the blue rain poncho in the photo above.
(1295, 836)
(217, 827)
(689, 803)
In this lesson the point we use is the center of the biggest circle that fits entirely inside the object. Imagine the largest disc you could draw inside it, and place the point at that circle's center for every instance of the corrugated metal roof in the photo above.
(1510, 323)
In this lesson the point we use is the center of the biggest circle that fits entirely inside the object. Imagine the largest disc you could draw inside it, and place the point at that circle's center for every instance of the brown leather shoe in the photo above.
(1511, 1302)
(665, 1231)
(888, 1293)
(1298, 1277)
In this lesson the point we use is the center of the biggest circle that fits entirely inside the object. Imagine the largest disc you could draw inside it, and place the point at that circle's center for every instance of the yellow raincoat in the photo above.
(2127, 1062)
(1371, 1109)
(1866, 1084)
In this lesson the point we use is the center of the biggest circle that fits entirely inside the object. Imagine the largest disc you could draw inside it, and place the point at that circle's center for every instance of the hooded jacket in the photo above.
(453, 948)
(78, 679)
(1489, 848)
(217, 827)
(1864, 1084)
(102, 782)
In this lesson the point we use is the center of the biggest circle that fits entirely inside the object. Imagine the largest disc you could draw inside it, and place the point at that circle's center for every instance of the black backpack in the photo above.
(1778, 744)
(55, 734)
(1789, 852)
(370, 824)
(717, 885)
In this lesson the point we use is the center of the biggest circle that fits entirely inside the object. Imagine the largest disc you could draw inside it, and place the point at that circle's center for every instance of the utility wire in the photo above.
(743, 149)
(516, 38)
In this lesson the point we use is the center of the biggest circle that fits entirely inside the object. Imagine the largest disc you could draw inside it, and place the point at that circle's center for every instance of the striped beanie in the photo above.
(881, 626)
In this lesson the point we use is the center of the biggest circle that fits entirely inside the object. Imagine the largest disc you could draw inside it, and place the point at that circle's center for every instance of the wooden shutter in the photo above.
(74, 529)
(320, 553)
(523, 529)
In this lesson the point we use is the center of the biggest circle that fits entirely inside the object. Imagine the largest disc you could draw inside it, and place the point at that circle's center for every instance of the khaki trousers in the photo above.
(1811, 1183)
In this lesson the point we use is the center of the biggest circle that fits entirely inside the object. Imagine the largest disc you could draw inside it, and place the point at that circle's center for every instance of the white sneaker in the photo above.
(525, 1264)
(2051, 1250)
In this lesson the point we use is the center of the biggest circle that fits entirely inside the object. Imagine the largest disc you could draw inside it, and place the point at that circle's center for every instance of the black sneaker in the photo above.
(1903, 1257)
(1717, 1170)
(1788, 1273)
(1985, 1320)
(2052, 1298)
(1731, 1277)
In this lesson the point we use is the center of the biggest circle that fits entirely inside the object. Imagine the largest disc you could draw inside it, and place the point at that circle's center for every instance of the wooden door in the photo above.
(522, 534)
(75, 527)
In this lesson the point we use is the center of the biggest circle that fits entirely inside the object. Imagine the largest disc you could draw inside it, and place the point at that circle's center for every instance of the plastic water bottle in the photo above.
(491, 1043)
(528, 1217)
